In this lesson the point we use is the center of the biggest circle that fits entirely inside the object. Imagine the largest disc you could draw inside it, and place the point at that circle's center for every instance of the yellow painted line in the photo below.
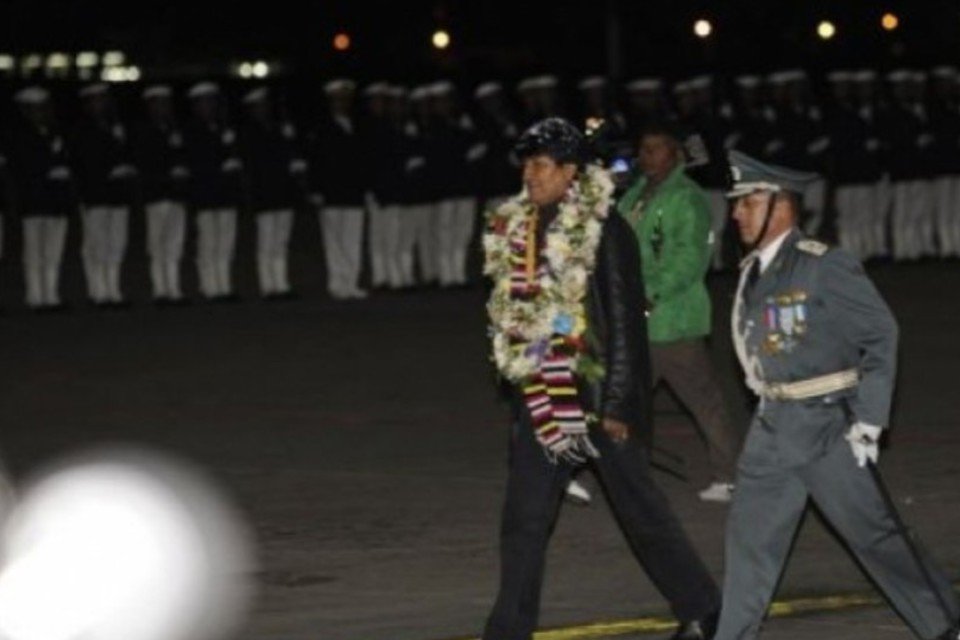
(653, 624)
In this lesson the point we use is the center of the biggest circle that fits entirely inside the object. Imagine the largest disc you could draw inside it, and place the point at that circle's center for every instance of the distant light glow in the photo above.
(826, 30)
(245, 70)
(441, 39)
(341, 41)
(114, 59)
(890, 21)
(260, 69)
(703, 28)
(87, 59)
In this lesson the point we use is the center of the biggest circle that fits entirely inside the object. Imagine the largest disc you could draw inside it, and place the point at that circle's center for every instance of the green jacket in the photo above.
(673, 276)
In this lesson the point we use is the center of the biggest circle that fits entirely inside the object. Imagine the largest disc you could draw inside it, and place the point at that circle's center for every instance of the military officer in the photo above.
(818, 346)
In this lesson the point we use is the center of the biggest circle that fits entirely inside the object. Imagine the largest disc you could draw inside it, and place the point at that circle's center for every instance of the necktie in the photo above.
(752, 276)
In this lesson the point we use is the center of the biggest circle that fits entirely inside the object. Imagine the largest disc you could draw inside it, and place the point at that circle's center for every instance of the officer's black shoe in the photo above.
(702, 629)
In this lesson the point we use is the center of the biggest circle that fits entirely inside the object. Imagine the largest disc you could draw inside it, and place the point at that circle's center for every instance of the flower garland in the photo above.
(533, 304)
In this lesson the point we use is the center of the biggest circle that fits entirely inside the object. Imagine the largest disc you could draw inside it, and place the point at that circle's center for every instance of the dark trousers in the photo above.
(685, 366)
(534, 492)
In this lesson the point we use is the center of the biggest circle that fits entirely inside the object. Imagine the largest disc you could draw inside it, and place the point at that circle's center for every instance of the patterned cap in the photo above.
(553, 137)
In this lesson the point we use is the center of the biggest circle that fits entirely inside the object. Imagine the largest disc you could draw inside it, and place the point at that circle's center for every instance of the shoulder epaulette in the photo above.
(813, 247)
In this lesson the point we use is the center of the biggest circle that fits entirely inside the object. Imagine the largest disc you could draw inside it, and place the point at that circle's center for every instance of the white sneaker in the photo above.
(578, 494)
(717, 492)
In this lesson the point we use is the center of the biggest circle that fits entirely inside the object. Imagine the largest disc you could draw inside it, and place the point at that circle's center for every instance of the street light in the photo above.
(703, 28)
(260, 69)
(890, 21)
(441, 39)
(826, 30)
(341, 41)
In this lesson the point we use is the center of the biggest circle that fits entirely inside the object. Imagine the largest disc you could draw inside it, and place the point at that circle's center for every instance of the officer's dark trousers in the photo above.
(802, 456)
(534, 491)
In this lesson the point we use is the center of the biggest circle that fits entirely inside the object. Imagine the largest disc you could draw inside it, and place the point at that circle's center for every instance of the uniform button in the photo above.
(750, 323)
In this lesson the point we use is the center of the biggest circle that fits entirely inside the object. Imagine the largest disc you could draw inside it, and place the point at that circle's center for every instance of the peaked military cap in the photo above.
(749, 175)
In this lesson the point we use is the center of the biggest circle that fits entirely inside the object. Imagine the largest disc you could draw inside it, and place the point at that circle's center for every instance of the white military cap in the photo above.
(95, 89)
(864, 75)
(785, 76)
(419, 93)
(944, 71)
(681, 87)
(487, 89)
(31, 95)
(526, 84)
(545, 81)
(592, 82)
(376, 89)
(202, 89)
(900, 75)
(644, 84)
(258, 94)
(919, 76)
(700, 82)
(396, 91)
(748, 81)
(840, 75)
(338, 85)
(157, 91)
(441, 88)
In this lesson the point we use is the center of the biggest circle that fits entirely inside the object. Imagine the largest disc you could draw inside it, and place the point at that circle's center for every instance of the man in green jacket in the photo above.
(670, 215)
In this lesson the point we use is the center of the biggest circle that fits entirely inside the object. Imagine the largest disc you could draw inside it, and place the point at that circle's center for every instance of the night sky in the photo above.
(490, 37)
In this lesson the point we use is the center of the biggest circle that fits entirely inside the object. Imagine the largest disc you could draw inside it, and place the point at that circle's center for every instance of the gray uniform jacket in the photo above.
(811, 313)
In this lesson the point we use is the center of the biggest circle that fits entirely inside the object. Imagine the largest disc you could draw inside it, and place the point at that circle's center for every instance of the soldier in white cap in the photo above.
(425, 194)
(46, 196)
(216, 189)
(874, 220)
(276, 179)
(497, 128)
(403, 186)
(855, 167)
(159, 150)
(945, 120)
(382, 216)
(107, 180)
(597, 102)
(646, 103)
(338, 183)
(908, 142)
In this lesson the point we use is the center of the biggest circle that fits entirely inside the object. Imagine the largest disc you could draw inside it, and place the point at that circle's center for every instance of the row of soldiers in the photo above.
(414, 165)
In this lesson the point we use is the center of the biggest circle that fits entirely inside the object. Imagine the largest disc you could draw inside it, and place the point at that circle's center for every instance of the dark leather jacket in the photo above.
(617, 328)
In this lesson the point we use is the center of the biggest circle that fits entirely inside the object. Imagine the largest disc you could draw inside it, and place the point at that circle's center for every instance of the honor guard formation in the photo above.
(396, 176)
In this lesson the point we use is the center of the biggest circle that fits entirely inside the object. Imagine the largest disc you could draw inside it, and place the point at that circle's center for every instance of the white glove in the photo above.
(864, 439)
(122, 171)
(231, 164)
(59, 173)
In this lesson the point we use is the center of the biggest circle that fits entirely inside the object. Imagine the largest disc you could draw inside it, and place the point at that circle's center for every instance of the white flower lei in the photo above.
(521, 327)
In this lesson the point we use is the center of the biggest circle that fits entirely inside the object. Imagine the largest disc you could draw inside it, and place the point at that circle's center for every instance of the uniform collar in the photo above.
(769, 252)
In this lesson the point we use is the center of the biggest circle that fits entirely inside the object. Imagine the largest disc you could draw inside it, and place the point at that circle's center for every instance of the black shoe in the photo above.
(702, 629)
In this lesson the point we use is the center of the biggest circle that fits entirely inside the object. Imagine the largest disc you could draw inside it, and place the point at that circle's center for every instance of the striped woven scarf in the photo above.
(551, 396)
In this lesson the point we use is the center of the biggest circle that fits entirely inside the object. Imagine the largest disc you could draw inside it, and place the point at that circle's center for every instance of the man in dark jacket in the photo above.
(106, 176)
(158, 147)
(566, 315)
(45, 196)
(276, 172)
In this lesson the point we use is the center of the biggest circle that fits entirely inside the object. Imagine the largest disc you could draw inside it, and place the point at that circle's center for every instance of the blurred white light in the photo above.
(441, 39)
(58, 61)
(113, 74)
(133, 73)
(826, 30)
(122, 549)
(245, 70)
(260, 69)
(703, 28)
(87, 59)
(114, 59)
(7, 62)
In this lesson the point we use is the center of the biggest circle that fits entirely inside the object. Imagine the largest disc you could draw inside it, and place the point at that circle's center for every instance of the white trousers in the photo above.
(856, 206)
(454, 221)
(342, 229)
(814, 202)
(273, 240)
(216, 244)
(408, 225)
(719, 212)
(385, 268)
(947, 215)
(104, 244)
(166, 230)
(912, 219)
(43, 241)
(427, 224)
